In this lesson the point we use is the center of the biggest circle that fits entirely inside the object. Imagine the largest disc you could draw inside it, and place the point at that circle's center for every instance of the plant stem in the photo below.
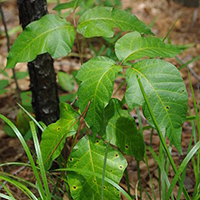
(139, 178)
(76, 36)
(127, 181)
(145, 151)
(104, 170)
(8, 48)
(198, 128)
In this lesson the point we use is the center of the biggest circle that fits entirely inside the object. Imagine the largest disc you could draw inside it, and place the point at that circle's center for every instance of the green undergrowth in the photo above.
(99, 127)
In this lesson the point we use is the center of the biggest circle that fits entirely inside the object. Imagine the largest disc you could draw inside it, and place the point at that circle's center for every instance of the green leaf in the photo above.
(72, 4)
(66, 81)
(3, 84)
(100, 21)
(9, 131)
(132, 46)
(89, 155)
(53, 137)
(22, 122)
(97, 76)
(67, 97)
(49, 34)
(2, 91)
(166, 94)
(21, 75)
(26, 100)
(120, 130)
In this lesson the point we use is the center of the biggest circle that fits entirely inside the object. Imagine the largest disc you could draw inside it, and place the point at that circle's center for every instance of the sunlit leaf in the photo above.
(132, 46)
(53, 137)
(119, 129)
(97, 76)
(166, 93)
(89, 155)
(100, 21)
(49, 34)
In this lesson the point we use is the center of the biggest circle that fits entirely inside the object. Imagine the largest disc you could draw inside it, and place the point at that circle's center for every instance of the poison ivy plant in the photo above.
(88, 155)
(49, 34)
(162, 83)
(166, 93)
(53, 137)
(97, 76)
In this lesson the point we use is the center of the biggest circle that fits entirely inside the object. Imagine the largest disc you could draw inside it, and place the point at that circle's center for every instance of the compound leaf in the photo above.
(166, 94)
(88, 155)
(49, 34)
(53, 137)
(120, 130)
(97, 76)
(100, 21)
(132, 46)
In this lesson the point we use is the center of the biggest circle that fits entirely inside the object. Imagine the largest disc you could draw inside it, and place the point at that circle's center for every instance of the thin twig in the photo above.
(8, 48)
(76, 37)
(189, 68)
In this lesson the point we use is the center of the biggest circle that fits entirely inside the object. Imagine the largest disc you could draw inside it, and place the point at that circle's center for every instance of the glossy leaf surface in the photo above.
(100, 21)
(89, 155)
(97, 76)
(166, 93)
(49, 34)
(119, 129)
(132, 46)
(53, 137)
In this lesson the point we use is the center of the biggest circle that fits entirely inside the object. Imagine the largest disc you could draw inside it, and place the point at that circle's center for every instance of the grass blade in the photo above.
(164, 175)
(104, 169)
(190, 61)
(172, 27)
(40, 161)
(37, 123)
(198, 128)
(161, 136)
(19, 185)
(182, 167)
(28, 153)
(6, 196)
(7, 191)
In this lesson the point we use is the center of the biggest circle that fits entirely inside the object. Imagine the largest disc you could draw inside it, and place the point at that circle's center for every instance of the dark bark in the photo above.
(43, 85)
(188, 3)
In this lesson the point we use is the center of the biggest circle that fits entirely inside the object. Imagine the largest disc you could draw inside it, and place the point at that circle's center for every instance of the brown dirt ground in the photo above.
(186, 31)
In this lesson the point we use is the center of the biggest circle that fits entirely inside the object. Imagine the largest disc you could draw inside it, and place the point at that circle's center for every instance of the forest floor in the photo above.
(164, 14)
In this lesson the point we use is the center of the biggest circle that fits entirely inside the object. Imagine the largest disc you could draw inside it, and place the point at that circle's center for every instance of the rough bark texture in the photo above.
(188, 3)
(43, 85)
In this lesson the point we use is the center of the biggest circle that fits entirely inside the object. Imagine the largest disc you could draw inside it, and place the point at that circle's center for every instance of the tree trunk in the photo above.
(43, 85)
(188, 3)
